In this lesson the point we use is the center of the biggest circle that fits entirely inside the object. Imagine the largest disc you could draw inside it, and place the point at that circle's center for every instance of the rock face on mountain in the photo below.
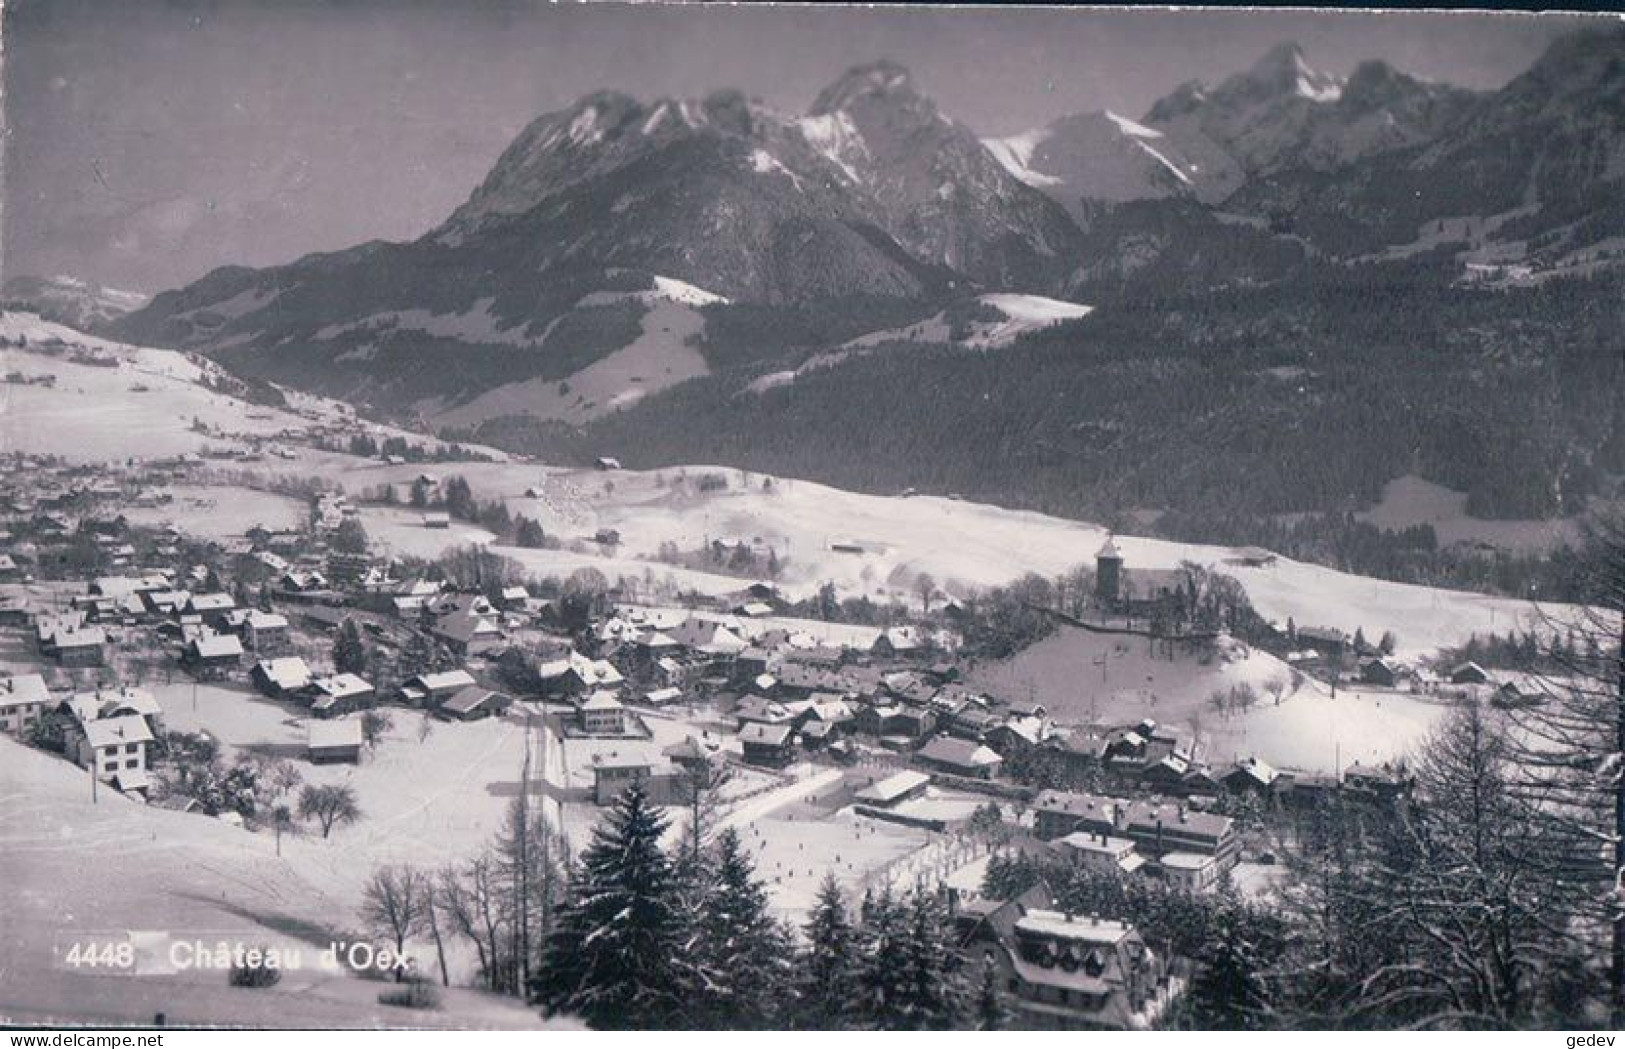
(1284, 114)
(1093, 158)
(876, 204)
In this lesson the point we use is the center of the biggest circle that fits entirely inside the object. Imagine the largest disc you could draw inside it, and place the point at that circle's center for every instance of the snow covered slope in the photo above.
(110, 401)
(75, 868)
(995, 321)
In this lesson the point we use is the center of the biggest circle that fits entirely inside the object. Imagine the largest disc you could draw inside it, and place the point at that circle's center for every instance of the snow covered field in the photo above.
(1083, 677)
(73, 869)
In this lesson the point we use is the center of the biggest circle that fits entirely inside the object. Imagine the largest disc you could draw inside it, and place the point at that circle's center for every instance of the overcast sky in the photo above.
(152, 140)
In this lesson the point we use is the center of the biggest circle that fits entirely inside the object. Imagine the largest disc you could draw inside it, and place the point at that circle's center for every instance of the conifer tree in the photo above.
(612, 957)
(743, 951)
(829, 969)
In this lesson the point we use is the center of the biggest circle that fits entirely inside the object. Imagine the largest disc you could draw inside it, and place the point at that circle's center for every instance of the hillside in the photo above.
(177, 877)
(1307, 729)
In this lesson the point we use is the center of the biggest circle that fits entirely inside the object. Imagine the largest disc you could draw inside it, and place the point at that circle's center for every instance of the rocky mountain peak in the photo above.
(884, 79)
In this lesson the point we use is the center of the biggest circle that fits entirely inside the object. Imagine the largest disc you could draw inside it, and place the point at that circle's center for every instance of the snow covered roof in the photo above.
(23, 689)
(217, 646)
(110, 732)
(334, 732)
(287, 672)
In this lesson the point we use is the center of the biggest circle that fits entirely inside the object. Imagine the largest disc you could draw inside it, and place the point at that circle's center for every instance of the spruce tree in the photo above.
(743, 950)
(612, 955)
(829, 972)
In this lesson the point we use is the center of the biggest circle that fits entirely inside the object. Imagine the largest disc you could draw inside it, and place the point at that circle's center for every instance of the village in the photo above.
(295, 682)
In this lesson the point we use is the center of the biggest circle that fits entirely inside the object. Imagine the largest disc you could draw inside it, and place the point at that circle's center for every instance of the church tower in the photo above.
(1108, 574)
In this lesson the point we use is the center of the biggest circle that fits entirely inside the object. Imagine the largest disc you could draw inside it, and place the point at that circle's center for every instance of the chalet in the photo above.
(47, 628)
(513, 599)
(437, 519)
(762, 711)
(605, 462)
(770, 745)
(752, 662)
(473, 703)
(14, 610)
(281, 678)
(213, 608)
(85, 647)
(1522, 690)
(893, 790)
(1327, 642)
(212, 656)
(265, 632)
(125, 701)
(303, 581)
(430, 690)
(1016, 735)
(960, 757)
(1306, 789)
(601, 714)
(339, 694)
(1378, 783)
(166, 602)
(1469, 674)
(1167, 774)
(467, 633)
(663, 697)
(713, 639)
(1251, 776)
(694, 753)
(1060, 971)
(1379, 671)
(576, 673)
(23, 699)
(335, 740)
(114, 749)
(897, 643)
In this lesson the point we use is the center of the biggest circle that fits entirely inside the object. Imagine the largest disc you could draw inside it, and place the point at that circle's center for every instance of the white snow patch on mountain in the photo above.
(1015, 155)
(685, 293)
(835, 137)
(764, 163)
(1020, 315)
(1129, 127)
(1170, 165)
(584, 129)
(1321, 92)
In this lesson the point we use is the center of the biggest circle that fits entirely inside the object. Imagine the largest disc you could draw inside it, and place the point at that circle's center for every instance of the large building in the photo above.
(1060, 971)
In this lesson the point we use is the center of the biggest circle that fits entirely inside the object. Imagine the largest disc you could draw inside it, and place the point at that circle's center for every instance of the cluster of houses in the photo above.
(110, 732)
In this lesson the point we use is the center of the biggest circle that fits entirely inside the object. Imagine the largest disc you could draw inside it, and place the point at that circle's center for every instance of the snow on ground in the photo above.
(219, 512)
(73, 868)
(1015, 155)
(661, 356)
(1082, 677)
(878, 545)
(1409, 501)
(793, 854)
(144, 407)
(1021, 315)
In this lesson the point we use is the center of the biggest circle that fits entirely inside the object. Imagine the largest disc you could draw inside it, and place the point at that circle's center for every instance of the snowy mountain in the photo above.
(1092, 158)
(70, 300)
(803, 223)
(1283, 113)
